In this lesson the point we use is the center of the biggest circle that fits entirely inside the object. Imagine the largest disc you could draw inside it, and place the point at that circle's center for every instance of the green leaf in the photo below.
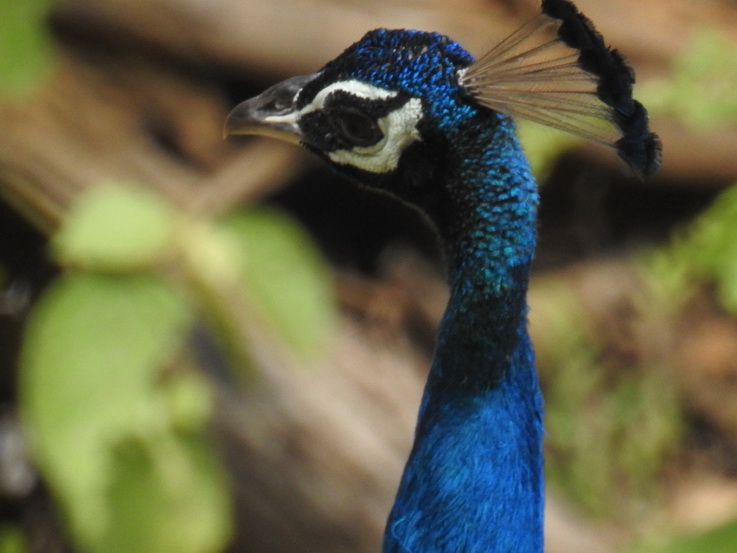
(25, 50)
(166, 496)
(92, 352)
(115, 228)
(284, 275)
(91, 385)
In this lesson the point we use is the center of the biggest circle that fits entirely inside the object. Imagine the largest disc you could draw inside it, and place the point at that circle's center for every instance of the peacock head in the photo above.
(403, 110)
(383, 112)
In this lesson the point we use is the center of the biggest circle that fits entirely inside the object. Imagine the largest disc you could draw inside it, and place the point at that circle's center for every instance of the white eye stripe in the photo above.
(354, 87)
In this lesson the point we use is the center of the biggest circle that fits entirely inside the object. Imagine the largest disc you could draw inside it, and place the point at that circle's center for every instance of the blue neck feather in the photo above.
(474, 481)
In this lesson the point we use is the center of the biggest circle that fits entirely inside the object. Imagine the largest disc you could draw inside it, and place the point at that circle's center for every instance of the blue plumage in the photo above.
(422, 65)
(474, 479)
(414, 115)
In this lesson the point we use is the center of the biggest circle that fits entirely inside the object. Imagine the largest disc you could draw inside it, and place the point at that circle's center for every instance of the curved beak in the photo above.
(271, 113)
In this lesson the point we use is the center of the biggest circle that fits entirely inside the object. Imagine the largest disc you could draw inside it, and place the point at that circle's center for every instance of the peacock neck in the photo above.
(489, 234)
(474, 482)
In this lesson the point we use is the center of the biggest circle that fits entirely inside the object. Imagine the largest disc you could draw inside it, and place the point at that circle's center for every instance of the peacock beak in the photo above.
(271, 113)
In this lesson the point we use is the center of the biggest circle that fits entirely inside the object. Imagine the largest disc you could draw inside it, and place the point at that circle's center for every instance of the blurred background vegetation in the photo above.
(220, 347)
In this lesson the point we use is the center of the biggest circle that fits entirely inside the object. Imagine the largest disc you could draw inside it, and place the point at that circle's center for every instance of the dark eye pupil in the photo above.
(356, 128)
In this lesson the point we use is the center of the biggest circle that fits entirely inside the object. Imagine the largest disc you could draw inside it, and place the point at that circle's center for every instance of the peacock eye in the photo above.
(355, 127)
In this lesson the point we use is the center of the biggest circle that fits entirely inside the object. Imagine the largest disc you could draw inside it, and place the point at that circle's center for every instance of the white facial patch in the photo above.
(399, 127)
(400, 130)
(357, 88)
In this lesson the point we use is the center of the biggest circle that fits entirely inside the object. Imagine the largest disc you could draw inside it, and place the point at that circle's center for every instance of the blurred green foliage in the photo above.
(117, 413)
(608, 433)
(700, 88)
(700, 92)
(704, 253)
(12, 539)
(97, 399)
(116, 229)
(702, 256)
(25, 47)
(278, 267)
(718, 540)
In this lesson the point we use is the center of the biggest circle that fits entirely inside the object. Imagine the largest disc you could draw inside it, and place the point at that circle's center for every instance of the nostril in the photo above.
(280, 98)
(270, 105)
(276, 105)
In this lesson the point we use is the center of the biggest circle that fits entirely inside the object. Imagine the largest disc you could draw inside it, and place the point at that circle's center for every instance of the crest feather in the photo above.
(557, 70)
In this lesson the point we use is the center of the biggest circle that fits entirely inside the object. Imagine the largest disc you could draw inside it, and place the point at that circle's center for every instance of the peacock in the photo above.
(413, 114)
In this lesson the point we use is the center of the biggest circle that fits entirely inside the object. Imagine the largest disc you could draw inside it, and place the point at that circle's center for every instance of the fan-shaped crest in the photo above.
(557, 70)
